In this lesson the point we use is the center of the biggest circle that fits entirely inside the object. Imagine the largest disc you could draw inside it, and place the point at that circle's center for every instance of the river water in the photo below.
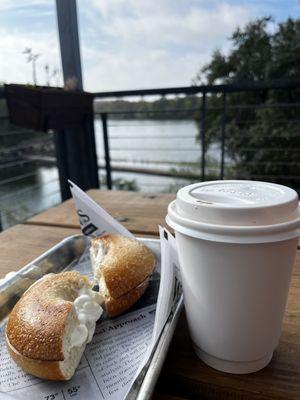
(146, 144)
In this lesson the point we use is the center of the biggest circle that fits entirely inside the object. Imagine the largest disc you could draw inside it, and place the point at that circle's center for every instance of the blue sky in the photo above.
(127, 44)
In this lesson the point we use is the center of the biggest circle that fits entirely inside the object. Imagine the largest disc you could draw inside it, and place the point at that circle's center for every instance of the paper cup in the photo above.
(236, 243)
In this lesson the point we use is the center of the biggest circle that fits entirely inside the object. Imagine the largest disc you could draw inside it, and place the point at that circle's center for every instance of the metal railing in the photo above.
(19, 161)
(26, 184)
(222, 110)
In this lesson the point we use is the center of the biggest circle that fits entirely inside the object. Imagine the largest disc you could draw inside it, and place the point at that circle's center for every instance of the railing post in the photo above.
(92, 153)
(59, 139)
(106, 151)
(202, 134)
(223, 128)
(1, 227)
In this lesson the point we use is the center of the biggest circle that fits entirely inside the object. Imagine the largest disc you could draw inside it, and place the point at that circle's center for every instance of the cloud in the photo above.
(30, 23)
(6, 5)
(151, 69)
(15, 68)
(125, 44)
(144, 44)
(196, 27)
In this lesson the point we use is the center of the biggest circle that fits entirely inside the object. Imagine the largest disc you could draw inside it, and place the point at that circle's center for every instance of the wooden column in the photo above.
(75, 148)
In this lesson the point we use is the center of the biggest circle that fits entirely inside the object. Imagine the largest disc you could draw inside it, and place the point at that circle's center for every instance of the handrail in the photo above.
(224, 88)
(272, 84)
(199, 110)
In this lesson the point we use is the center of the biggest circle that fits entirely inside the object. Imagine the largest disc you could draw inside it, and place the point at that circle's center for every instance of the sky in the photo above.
(128, 44)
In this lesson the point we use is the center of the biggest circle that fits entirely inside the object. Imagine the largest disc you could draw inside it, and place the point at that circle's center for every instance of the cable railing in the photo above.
(28, 184)
(29, 189)
(219, 134)
(253, 156)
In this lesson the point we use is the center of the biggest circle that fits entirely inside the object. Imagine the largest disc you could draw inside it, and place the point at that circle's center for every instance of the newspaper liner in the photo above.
(121, 347)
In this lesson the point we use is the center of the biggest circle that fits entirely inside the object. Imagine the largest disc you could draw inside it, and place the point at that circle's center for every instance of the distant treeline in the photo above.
(163, 108)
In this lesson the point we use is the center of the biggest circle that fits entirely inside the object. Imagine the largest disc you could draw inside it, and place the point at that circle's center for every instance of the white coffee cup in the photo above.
(236, 243)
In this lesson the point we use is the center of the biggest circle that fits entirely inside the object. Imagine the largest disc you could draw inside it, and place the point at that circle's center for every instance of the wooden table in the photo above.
(183, 376)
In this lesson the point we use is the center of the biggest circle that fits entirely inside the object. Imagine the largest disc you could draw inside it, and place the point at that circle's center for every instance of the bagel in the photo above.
(48, 329)
(122, 268)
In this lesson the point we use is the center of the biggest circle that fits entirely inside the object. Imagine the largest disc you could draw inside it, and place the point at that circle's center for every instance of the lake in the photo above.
(147, 144)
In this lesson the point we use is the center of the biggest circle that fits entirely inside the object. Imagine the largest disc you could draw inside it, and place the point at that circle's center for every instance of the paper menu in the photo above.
(122, 346)
(105, 369)
(94, 220)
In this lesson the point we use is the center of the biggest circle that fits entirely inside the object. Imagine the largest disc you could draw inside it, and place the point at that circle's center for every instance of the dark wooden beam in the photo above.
(75, 148)
(69, 40)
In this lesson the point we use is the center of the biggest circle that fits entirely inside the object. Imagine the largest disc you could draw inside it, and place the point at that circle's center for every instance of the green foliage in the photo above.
(263, 142)
(11, 217)
(124, 184)
(174, 187)
(158, 109)
(258, 54)
(121, 184)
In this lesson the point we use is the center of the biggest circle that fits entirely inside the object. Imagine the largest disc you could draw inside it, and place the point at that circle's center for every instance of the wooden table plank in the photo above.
(185, 375)
(137, 211)
(23, 243)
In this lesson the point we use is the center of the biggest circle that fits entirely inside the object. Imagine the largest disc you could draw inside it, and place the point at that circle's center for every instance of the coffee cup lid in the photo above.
(245, 206)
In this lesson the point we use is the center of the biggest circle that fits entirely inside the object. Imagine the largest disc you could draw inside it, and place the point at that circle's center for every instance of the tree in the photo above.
(263, 142)
(31, 58)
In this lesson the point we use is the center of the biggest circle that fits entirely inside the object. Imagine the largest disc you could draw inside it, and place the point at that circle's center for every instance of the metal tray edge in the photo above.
(159, 354)
(148, 385)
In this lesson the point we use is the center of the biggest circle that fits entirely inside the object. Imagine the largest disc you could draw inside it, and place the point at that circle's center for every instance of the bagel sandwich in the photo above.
(48, 329)
(122, 268)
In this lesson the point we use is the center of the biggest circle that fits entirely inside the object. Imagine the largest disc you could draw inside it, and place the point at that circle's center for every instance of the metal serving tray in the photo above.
(62, 256)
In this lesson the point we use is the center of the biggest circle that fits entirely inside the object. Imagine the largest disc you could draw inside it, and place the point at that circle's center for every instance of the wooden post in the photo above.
(75, 148)
(69, 41)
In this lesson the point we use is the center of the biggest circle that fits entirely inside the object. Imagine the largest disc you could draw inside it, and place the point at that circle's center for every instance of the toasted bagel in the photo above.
(40, 327)
(122, 268)
(46, 334)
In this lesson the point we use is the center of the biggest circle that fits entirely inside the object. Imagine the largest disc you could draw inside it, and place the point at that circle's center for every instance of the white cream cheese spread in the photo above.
(88, 310)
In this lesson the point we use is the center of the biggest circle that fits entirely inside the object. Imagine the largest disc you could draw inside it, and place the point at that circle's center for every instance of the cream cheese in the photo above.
(97, 254)
(88, 310)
